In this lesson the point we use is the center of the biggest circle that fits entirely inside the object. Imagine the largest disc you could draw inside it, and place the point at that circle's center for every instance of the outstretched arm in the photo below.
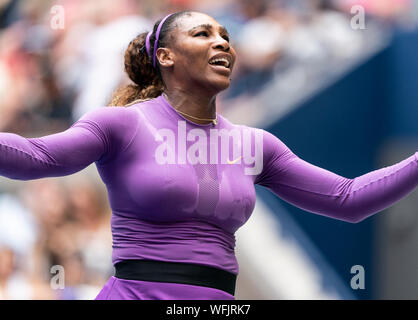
(320, 191)
(50, 156)
(92, 138)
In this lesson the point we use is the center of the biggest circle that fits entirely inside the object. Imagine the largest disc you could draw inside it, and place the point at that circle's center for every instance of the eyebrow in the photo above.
(210, 27)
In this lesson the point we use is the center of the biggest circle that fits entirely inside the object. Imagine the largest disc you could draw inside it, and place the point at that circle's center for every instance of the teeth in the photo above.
(226, 62)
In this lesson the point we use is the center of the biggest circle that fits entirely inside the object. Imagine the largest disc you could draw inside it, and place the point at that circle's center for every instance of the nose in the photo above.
(221, 43)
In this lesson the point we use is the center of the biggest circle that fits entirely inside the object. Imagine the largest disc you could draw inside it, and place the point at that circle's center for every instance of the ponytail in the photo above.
(148, 83)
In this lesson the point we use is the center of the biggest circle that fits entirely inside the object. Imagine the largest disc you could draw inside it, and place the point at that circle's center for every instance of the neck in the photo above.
(195, 104)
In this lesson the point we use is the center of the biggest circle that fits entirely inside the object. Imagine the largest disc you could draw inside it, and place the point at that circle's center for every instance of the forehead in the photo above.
(188, 22)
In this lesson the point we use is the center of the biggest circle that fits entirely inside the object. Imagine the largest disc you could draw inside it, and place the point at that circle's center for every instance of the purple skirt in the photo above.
(121, 289)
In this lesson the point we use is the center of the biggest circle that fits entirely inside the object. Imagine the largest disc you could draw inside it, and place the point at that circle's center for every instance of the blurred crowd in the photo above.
(61, 59)
(54, 222)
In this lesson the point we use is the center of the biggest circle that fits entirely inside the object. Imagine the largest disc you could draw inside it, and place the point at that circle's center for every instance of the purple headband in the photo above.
(147, 42)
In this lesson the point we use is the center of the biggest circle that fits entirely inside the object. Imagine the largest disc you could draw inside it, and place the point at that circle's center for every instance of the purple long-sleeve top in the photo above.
(179, 190)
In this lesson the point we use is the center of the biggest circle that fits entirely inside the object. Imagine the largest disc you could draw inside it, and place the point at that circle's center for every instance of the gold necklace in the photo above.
(214, 121)
(136, 101)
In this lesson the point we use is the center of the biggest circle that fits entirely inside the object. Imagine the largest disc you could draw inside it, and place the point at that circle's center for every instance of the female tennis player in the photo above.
(177, 186)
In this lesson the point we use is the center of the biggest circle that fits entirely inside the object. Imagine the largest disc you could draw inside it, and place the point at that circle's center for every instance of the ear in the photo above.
(165, 57)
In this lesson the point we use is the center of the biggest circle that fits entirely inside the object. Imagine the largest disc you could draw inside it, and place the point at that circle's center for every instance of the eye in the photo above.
(201, 32)
(226, 38)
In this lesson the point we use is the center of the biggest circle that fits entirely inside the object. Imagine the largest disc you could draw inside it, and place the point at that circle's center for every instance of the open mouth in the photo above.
(220, 62)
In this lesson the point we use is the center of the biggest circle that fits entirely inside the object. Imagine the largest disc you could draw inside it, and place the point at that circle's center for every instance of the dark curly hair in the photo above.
(148, 82)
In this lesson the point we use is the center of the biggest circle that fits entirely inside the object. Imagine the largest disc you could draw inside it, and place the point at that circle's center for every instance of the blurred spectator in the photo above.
(9, 12)
(18, 227)
(13, 285)
(387, 9)
(101, 54)
(77, 284)
(91, 216)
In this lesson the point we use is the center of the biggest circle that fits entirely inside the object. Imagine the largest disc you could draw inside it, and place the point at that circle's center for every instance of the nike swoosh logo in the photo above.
(234, 161)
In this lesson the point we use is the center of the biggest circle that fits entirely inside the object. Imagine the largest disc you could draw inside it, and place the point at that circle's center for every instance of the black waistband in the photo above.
(176, 272)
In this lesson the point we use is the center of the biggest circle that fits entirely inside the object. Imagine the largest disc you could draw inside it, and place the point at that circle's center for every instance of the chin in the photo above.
(225, 86)
(217, 82)
(219, 86)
